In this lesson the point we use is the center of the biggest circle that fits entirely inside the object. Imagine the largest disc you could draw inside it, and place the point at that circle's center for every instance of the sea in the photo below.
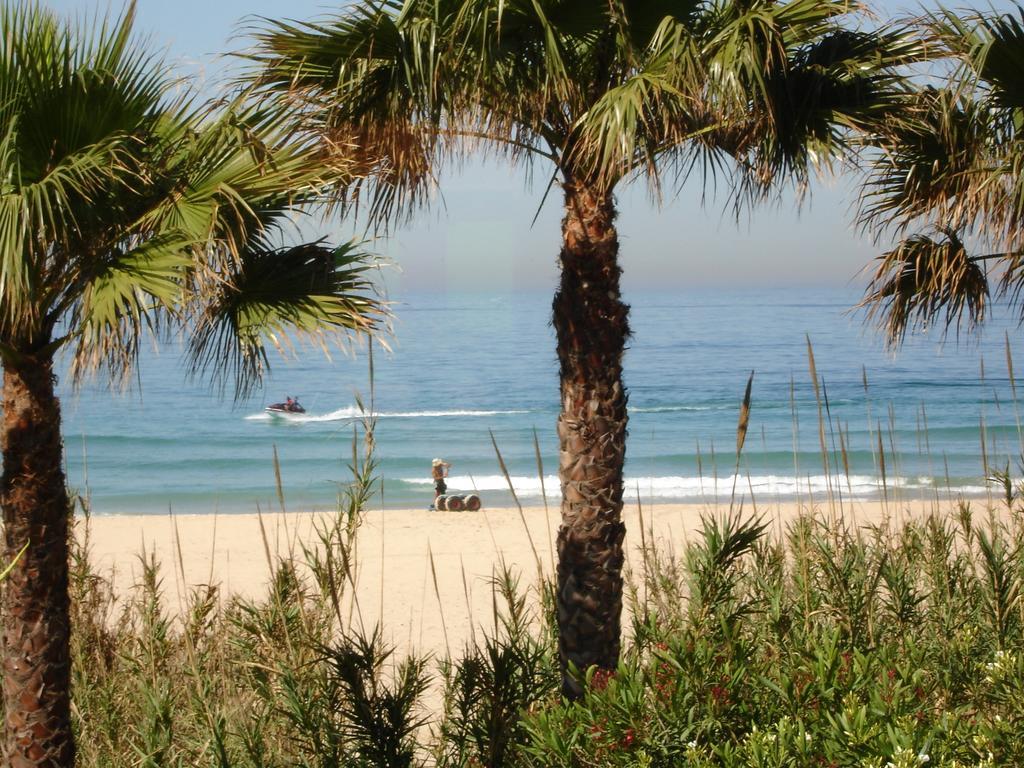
(468, 376)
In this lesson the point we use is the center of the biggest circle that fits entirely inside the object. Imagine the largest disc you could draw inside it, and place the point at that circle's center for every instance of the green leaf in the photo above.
(309, 291)
(10, 566)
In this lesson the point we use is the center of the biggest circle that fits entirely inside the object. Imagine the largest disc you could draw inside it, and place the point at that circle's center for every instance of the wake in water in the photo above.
(354, 412)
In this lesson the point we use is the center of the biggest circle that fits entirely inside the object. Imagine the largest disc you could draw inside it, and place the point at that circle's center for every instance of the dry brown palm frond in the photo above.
(1011, 284)
(394, 168)
(923, 278)
(744, 420)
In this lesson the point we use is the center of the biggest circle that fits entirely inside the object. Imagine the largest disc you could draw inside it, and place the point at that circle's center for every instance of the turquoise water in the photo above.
(464, 366)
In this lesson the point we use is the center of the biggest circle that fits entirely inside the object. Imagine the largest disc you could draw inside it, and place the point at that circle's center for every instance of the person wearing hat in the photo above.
(439, 470)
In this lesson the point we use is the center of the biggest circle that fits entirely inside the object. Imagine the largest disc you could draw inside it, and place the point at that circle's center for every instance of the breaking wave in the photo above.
(699, 488)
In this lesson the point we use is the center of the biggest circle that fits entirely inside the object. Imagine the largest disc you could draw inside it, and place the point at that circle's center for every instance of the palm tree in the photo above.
(951, 174)
(125, 211)
(604, 92)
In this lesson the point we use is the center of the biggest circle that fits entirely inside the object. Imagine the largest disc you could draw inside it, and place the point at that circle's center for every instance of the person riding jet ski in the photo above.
(290, 405)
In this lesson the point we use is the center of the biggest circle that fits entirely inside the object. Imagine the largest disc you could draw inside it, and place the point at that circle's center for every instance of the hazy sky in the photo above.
(481, 238)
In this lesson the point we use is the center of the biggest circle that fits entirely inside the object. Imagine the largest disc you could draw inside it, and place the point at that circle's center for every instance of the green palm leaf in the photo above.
(126, 293)
(126, 212)
(309, 291)
(385, 66)
(122, 209)
(991, 48)
(73, 108)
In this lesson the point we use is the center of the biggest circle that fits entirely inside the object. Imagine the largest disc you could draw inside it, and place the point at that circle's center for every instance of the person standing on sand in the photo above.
(439, 470)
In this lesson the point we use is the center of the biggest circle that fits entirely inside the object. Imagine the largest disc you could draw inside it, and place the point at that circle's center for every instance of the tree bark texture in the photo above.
(36, 625)
(591, 325)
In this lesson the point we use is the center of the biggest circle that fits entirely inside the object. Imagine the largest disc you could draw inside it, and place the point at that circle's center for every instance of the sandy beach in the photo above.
(394, 577)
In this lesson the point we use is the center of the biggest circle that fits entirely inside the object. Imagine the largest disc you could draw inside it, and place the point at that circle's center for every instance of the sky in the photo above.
(479, 236)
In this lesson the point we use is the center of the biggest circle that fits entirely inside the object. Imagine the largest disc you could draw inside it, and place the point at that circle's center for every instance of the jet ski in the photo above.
(291, 408)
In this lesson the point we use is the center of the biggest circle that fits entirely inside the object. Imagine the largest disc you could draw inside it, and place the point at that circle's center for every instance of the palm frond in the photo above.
(922, 279)
(929, 153)
(632, 122)
(75, 105)
(309, 291)
(363, 84)
(125, 294)
(987, 152)
(606, 91)
(991, 49)
(815, 109)
(124, 211)
(952, 159)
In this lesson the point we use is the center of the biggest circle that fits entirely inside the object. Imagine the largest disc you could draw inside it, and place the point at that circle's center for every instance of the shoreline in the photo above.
(896, 495)
(401, 554)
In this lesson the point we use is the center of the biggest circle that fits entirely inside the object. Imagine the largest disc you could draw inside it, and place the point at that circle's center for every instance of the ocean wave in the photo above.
(695, 487)
(679, 408)
(525, 485)
(354, 412)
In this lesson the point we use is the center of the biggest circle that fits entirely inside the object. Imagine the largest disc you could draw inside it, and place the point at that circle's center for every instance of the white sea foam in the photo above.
(693, 487)
(525, 485)
(354, 412)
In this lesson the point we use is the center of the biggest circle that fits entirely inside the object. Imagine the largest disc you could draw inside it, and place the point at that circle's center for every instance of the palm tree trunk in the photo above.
(591, 324)
(36, 626)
